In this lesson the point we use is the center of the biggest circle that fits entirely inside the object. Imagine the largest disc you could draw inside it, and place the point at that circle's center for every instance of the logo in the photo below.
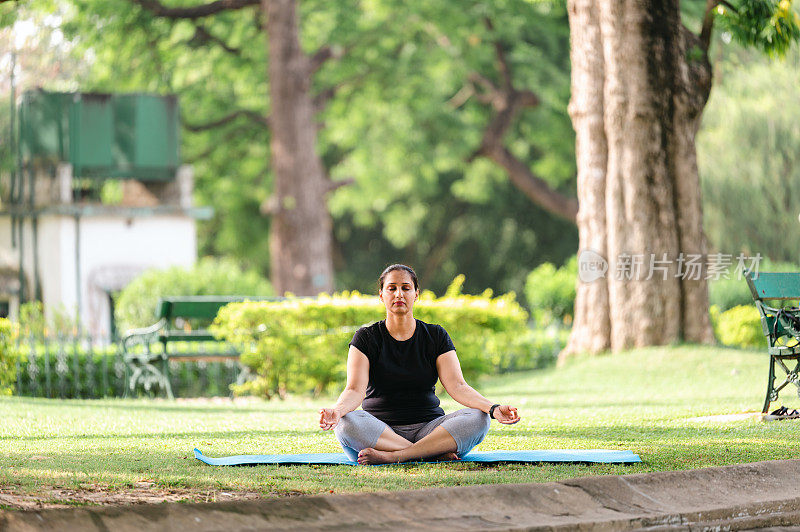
(591, 266)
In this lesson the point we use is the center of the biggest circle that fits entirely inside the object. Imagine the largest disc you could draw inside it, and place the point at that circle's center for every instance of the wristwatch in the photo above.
(491, 411)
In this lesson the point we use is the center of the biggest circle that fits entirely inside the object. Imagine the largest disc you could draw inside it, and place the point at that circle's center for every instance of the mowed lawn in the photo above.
(643, 400)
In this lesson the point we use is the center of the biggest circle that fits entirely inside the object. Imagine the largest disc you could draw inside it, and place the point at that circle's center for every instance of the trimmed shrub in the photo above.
(551, 292)
(300, 344)
(67, 368)
(136, 304)
(8, 357)
(70, 368)
(739, 326)
(54, 361)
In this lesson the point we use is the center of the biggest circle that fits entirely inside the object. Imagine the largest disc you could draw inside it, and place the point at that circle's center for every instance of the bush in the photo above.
(551, 292)
(70, 368)
(136, 304)
(8, 357)
(300, 345)
(32, 321)
(728, 293)
(739, 326)
(67, 368)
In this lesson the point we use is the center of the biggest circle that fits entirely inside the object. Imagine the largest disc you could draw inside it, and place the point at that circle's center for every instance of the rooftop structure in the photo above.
(99, 195)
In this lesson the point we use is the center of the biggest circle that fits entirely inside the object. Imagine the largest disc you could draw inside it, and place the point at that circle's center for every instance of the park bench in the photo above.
(180, 334)
(781, 326)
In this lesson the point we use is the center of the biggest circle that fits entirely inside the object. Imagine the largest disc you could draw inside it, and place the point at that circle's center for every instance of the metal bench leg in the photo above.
(126, 394)
(165, 377)
(134, 379)
(771, 395)
(167, 387)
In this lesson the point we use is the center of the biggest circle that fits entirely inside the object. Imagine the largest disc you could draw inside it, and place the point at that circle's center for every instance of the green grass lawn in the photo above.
(642, 400)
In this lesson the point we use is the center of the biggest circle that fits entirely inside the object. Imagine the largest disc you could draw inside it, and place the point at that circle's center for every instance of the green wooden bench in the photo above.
(182, 322)
(781, 326)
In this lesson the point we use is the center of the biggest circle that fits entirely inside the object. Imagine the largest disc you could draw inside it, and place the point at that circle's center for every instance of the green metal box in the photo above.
(147, 134)
(91, 123)
(102, 135)
(43, 118)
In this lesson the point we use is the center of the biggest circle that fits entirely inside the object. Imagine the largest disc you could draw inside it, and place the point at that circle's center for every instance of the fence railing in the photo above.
(87, 367)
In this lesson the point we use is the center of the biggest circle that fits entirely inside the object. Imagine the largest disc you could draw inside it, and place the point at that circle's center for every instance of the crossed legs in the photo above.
(439, 444)
(368, 440)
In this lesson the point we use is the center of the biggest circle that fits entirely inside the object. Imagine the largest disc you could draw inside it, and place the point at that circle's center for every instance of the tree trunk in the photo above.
(690, 100)
(586, 111)
(300, 233)
(635, 111)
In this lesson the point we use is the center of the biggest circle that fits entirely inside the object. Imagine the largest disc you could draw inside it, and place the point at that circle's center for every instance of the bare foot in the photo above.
(374, 456)
(446, 457)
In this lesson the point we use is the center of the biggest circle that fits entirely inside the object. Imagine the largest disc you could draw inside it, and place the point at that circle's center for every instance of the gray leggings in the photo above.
(358, 430)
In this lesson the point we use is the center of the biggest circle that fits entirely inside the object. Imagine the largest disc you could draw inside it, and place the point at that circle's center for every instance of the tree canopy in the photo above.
(405, 99)
(443, 118)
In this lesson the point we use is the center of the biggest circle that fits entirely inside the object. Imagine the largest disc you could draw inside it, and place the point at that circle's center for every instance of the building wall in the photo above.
(113, 250)
(9, 255)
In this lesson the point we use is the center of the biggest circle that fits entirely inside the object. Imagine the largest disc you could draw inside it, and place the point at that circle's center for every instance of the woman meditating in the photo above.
(392, 368)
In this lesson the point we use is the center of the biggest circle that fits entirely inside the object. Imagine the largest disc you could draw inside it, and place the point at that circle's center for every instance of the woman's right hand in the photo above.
(328, 418)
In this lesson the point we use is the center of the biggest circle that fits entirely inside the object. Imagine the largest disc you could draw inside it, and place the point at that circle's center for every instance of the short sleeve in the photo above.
(363, 341)
(444, 343)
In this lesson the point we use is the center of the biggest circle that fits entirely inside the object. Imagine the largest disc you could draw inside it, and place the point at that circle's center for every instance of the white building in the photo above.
(73, 252)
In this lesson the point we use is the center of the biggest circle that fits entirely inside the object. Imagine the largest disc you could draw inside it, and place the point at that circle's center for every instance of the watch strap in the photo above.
(491, 411)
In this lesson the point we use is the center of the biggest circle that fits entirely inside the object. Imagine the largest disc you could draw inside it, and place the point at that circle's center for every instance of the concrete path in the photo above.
(740, 497)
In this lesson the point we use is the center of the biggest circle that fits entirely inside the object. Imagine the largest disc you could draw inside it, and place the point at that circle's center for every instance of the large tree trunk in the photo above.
(586, 111)
(300, 239)
(690, 100)
(636, 108)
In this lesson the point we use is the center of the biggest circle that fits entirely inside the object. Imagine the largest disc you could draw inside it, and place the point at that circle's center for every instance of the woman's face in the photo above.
(398, 293)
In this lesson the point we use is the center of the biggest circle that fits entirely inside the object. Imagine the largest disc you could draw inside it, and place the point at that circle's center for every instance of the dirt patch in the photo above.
(104, 496)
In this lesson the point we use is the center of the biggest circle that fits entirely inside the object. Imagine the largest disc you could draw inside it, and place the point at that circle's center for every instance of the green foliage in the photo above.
(63, 368)
(646, 400)
(111, 192)
(409, 131)
(136, 304)
(728, 293)
(739, 326)
(61, 365)
(749, 158)
(34, 324)
(8, 356)
(396, 123)
(770, 26)
(69, 369)
(551, 292)
(300, 345)
(136, 51)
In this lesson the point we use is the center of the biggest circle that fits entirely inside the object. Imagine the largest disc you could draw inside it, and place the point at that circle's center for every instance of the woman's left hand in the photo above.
(506, 414)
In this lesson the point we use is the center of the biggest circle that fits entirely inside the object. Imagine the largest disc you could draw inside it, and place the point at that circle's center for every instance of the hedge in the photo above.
(300, 344)
(550, 292)
(739, 326)
(136, 304)
(8, 359)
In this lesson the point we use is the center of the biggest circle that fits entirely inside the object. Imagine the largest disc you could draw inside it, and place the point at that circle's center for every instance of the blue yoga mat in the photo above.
(599, 456)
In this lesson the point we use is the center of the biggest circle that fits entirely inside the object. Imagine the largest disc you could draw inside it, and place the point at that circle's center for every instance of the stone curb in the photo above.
(738, 497)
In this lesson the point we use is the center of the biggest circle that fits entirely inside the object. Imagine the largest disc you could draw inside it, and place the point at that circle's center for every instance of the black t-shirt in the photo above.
(402, 374)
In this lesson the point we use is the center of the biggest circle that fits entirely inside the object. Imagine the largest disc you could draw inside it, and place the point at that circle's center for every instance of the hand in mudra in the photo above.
(506, 414)
(328, 418)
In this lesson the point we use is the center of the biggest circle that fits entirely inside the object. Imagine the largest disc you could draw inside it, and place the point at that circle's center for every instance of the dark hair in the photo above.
(395, 267)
